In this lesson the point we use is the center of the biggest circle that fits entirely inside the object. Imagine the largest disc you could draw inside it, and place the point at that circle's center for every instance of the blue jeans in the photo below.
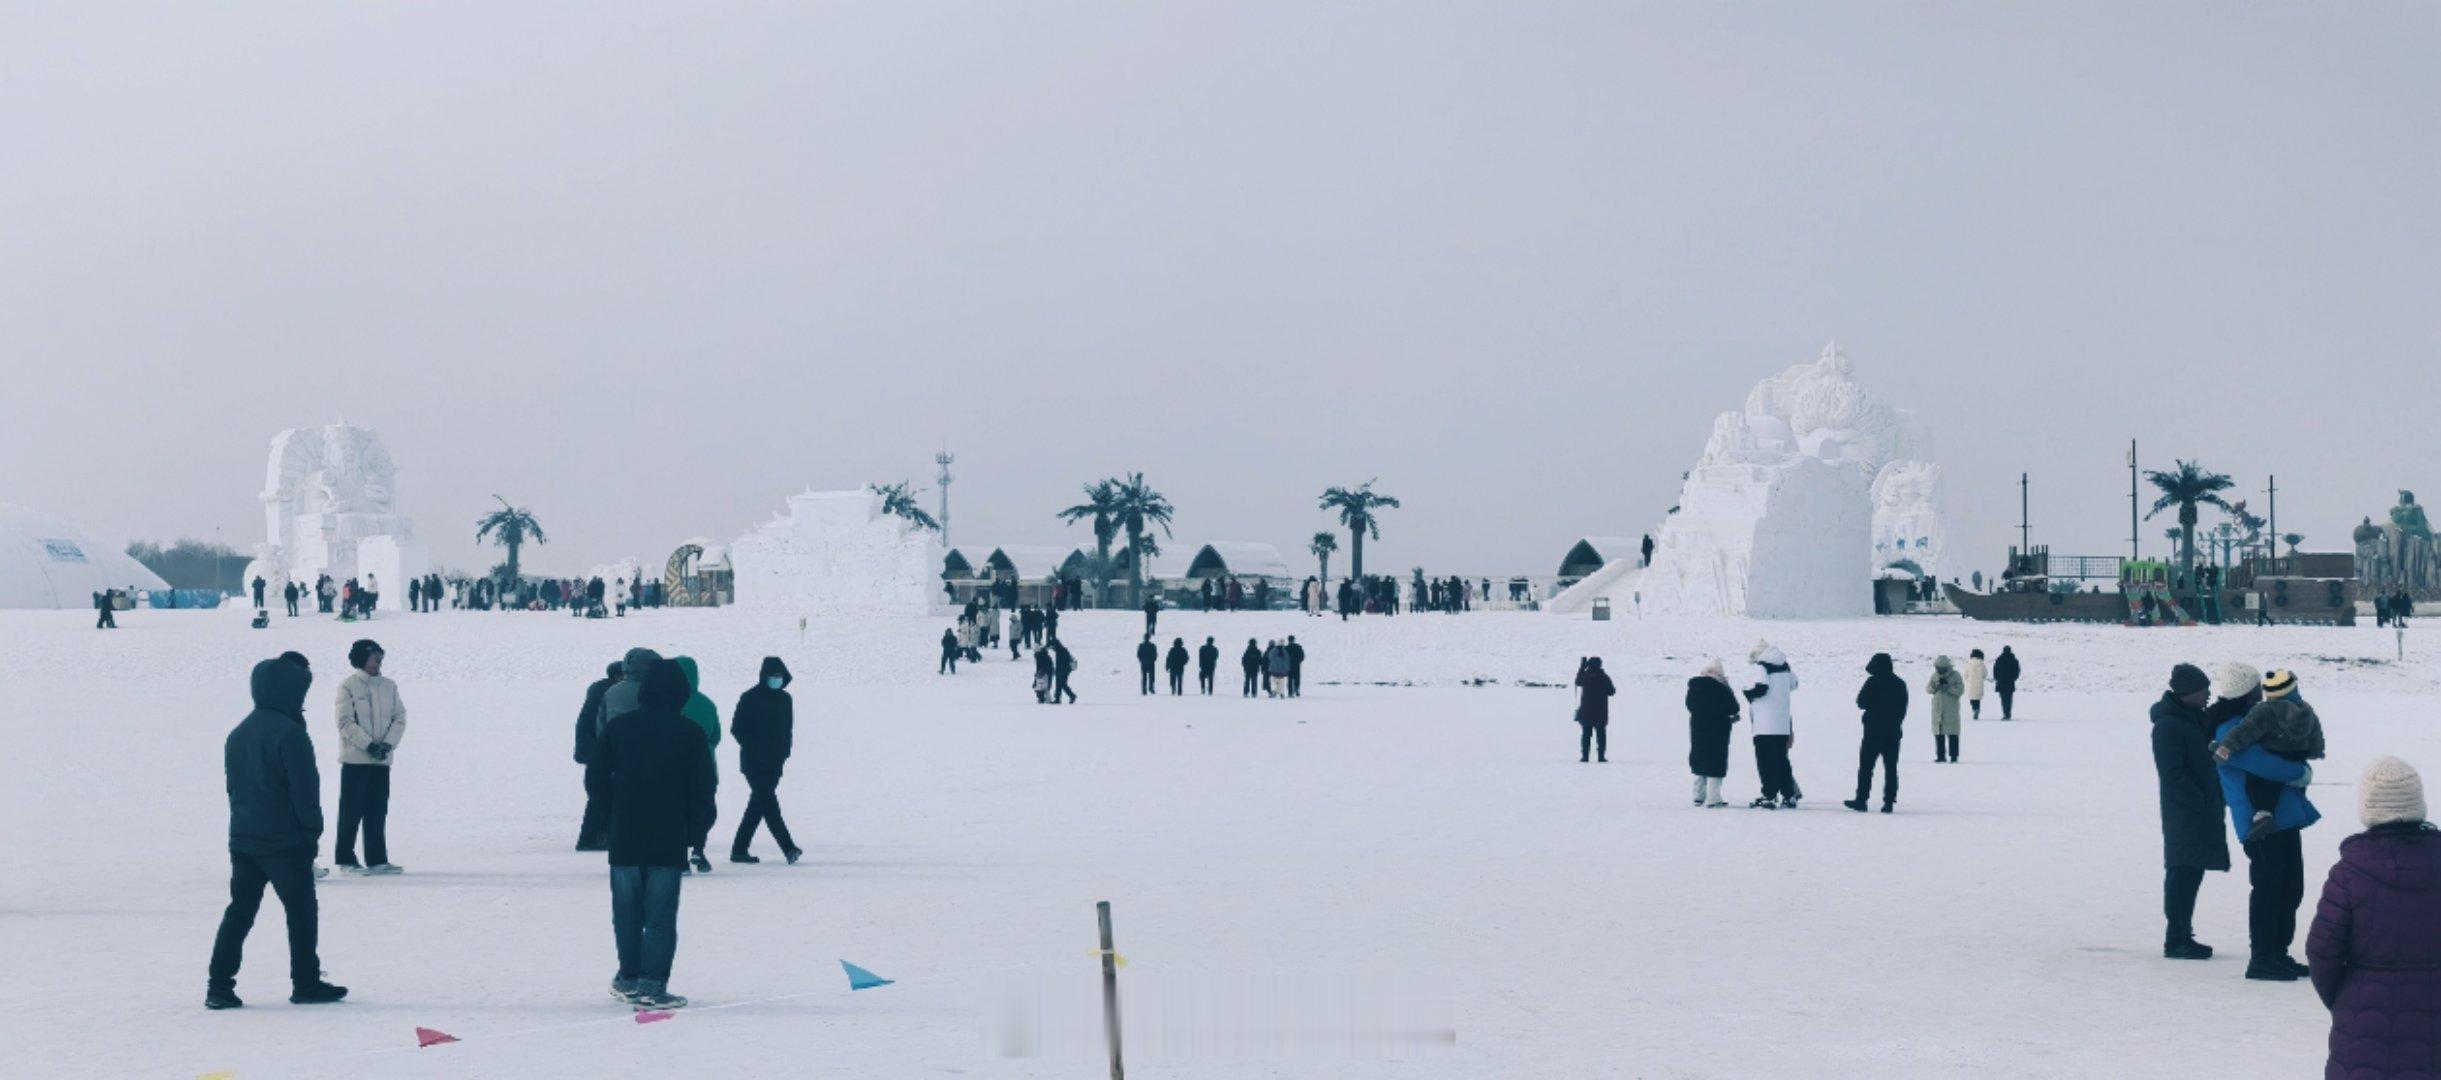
(644, 917)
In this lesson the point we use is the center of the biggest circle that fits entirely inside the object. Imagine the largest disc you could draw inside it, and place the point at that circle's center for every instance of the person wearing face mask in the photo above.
(764, 725)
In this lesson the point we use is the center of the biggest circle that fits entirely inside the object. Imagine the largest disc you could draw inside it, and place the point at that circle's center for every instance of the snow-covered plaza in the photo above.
(1414, 839)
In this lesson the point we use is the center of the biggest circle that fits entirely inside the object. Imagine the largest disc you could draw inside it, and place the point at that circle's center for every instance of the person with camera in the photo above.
(371, 722)
(1594, 690)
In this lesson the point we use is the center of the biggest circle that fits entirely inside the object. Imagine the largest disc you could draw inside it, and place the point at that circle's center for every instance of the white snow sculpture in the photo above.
(1907, 517)
(328, 509)
(1780, 516)
(838, 553)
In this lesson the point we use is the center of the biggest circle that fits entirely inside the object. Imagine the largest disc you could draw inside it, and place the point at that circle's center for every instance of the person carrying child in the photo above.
(2282, 724)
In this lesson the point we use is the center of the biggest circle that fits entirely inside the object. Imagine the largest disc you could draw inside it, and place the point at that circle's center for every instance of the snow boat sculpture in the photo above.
(328, 508)
(838, 553)
(1782, 516)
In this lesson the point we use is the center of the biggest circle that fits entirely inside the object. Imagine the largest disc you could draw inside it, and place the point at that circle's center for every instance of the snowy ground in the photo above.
(1401, 833)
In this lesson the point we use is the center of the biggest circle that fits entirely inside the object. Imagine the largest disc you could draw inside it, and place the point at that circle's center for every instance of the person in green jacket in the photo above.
(706, 716)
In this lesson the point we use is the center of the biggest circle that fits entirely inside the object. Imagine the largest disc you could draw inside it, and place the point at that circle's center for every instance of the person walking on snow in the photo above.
(275, 823)
(1883, 700)
(1176, 663)
(661, 798)
(1148, 656)
(706, 717)
(2004, 681)
(1593, 694)
(765, 726)
(592, 830)
(2275, 871)
(371, 722)
(1944, 690)
(1773, 725)
(1976, 672)
(1712, 708)
(2374, 956)
(1206, 659)
(1063, 664)
(2191, 838)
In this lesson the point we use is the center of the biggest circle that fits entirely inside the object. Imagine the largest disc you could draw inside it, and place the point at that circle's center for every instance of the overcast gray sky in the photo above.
(648, 268)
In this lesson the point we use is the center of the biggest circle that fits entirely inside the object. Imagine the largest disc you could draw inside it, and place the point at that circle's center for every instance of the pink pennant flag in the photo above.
(653, 1016)
(425, 1036)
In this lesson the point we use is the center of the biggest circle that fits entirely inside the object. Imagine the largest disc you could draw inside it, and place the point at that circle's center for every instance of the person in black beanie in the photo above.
(2191, 838)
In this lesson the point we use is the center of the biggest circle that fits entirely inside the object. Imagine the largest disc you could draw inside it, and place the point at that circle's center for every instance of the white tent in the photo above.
(48, 563)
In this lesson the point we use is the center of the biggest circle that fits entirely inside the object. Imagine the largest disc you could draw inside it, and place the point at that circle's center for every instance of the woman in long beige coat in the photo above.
(1974, 681)
(1945, 689)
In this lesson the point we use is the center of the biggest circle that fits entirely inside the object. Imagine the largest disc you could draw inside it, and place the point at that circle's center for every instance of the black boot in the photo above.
(2189, 949)
(317, 992)
(2271, 969)
(743, 857)
(1857, 804)
(222, 997)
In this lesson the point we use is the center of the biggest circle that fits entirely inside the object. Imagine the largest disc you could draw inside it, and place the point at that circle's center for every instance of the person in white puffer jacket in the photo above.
(1773, 725)
(371, 722)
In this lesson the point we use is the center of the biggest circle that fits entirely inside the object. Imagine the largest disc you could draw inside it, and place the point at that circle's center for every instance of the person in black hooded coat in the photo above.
(275, 824)
(1884, 701)
(591, 831)
(1594, 690)
(765, 728)
(1712, 709)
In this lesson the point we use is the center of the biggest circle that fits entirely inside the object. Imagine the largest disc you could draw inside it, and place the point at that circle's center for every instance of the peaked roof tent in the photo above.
(1593, 552)
(1223, 558)
(1032, 562)
(955, 564)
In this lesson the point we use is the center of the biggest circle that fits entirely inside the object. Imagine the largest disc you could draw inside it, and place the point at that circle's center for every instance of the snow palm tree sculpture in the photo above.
(1322, 546)
(1357, 508)
(510, 527)
(1135, 509)
(1101, 497)
(2186, 488)
(897, 500)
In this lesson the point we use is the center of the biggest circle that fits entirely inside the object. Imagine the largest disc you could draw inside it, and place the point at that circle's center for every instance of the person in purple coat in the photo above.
(2375, 947)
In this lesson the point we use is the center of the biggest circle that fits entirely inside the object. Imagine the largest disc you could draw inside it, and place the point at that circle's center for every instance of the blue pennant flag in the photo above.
(860, 979)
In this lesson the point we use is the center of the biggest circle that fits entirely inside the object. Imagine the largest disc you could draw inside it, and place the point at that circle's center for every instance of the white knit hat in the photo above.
(2235, 680)
(2391, 791)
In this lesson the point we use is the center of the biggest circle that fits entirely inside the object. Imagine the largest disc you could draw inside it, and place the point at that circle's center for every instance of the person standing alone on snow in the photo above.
(1593, 693)
(371, 722)
(1206, 659)
(275, 822)
(765, 726)
(662, 786)
(1774, 726)
(2004, 680)
(2191, 838)
(1176, 663)
(1944, 690)
(1148, 657)
(1884, 701)
(2374, 952)
(1712, 708)
(949, 653)
(1975, 675)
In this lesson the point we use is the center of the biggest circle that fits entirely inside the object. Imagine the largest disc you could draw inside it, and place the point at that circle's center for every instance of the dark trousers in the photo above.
(364, 799)
(1977, 705)
(292, 607)
(2008, 699)
(291, 875)
(762, 807)
(2275, 875)
(1944, 747)
(594, 831)
(1592, 738)
(1059, 689)
(644, 920)
(1296, 679)
(1148, 680)
(1178, 682)
(949, 662)
(1771, 767)
(107, 620)
(1250, 681)
(1203, 681)
(2179, 884)
(1884, 748)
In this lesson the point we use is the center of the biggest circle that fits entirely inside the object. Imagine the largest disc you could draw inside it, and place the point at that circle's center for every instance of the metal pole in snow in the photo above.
(1110, 991)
